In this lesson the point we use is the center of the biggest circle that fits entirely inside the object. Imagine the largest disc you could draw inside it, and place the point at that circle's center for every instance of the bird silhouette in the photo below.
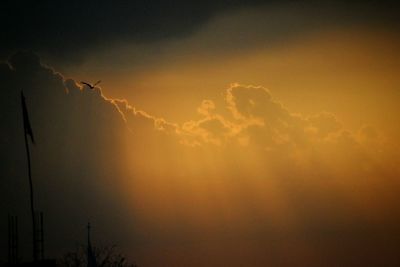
(91, 86)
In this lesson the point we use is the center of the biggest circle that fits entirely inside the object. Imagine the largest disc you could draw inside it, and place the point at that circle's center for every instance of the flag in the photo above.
(27, 124)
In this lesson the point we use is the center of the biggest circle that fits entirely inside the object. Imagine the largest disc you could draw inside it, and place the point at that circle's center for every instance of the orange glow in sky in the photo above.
(282, 152)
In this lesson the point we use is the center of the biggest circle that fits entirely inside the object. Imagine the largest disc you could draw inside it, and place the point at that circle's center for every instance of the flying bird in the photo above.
(91, 86)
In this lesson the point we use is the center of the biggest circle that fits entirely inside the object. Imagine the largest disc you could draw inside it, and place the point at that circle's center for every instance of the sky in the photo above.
(231, 133)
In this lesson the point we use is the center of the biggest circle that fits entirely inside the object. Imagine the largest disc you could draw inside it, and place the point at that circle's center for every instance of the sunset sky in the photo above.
(237, 133)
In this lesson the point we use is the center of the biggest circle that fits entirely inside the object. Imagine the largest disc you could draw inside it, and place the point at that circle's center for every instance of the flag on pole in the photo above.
(27, 124)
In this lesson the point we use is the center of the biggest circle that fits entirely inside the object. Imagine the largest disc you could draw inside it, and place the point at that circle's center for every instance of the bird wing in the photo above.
(99, 81)
(88, 84)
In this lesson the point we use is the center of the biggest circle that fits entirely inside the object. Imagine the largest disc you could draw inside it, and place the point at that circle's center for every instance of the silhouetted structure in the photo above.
(37, 218)
(39, 235)
(28, 131)
(91, 258)
(13, 246)
(12, 239)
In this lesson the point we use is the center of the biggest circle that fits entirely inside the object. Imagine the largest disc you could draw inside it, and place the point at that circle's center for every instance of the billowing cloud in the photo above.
(256, 118)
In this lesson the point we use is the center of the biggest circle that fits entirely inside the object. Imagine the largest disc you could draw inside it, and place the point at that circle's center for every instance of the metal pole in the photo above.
(88, 233)
(9, 239)
(41, 236)
(16, 240)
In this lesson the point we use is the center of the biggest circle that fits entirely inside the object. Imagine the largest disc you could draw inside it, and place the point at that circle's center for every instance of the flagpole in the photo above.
(31, 196)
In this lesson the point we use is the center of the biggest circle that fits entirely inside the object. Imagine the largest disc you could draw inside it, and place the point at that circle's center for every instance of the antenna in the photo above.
(88, 232)
(91, 258)
(39, 236)
(12, 239)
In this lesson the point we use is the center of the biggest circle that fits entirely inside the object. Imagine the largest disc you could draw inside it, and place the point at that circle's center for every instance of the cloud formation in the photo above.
(256, 119)
(251, 172)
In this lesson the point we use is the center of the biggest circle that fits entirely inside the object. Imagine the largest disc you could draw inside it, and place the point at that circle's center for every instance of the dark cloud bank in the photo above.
(70, 26)
(78, 163)
(68, 29)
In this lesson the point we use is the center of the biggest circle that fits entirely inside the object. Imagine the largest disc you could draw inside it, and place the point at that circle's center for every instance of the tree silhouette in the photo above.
(106, 256)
